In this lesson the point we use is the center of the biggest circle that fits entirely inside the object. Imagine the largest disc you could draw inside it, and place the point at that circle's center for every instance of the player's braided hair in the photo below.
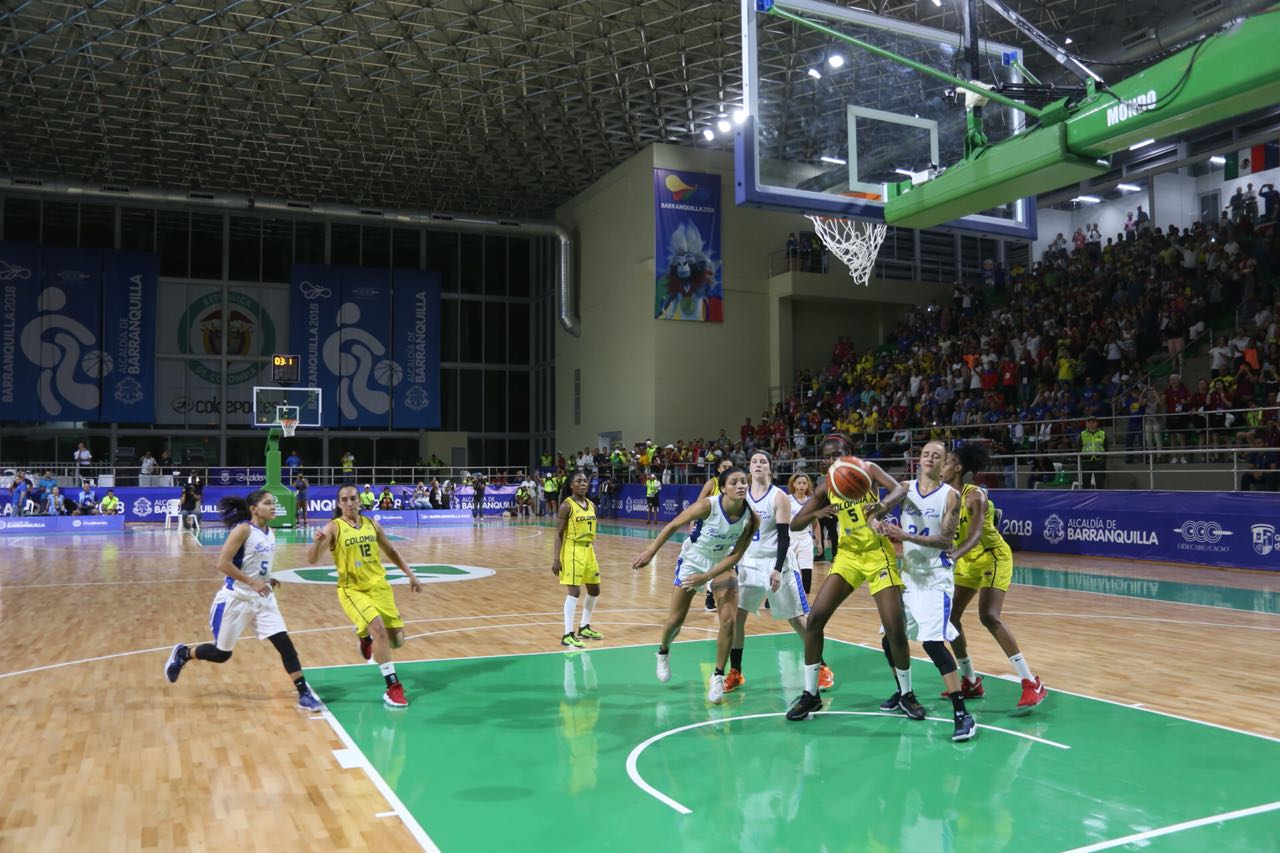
(973, 458)
(237, 510)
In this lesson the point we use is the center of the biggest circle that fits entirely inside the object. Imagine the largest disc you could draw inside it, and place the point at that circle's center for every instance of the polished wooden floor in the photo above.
(101, 753)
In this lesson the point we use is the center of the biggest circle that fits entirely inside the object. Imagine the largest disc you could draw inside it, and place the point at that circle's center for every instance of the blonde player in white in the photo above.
(766, 571)
(800, 488)
(930, 512)
(722, 527)
(245, 599)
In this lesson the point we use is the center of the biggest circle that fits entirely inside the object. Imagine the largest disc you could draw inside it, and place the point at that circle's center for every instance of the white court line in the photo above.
(384, 814)
(1014, 678)
(1160, 619)
(208, 580)
(561, 624)
(1177, 827)
(398, 808)
(634, 758)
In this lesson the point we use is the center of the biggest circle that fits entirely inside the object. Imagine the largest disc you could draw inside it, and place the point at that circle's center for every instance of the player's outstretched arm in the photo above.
(693, 512)
(896, 491)
(394, 556)
(324, 537)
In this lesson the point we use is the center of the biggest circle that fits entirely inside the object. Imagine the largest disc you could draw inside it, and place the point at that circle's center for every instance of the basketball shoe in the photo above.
(908, 704)
(177, 660)
(1033, 693)
(715, 690)
(394, 697)
(826, 678)
(733, 679)
(804, 706)
(366, 648)
(969, 689)
(966, 727)
(664, 668)
(572, 641)
(309, 702)
(586, 632)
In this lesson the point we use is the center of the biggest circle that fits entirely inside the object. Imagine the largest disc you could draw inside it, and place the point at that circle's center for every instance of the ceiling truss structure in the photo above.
(505, 107)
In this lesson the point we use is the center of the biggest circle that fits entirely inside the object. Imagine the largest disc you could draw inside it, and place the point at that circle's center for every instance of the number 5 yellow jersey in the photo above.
(356, 554)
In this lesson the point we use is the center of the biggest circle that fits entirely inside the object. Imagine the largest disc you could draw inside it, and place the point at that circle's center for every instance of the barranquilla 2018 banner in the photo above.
(687, 260)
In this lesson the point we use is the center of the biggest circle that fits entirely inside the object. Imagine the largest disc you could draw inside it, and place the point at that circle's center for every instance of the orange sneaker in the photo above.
(1033, 693)
(733, 679)
(826, 678)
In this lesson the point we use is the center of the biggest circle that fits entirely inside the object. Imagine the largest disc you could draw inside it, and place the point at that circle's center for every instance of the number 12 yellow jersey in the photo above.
(356, 554)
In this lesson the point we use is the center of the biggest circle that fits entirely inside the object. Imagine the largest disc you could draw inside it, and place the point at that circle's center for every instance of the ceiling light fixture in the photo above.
(835, 60)
(1143, 144)
(740, 116)
(1087, 199)
(1129, 188)
(835, 160)
(708, 134)
(1218, 161)
(724, 125)
(815, 74)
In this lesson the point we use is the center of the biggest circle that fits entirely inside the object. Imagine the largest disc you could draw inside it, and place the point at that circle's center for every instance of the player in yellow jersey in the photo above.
(862, 555)
(358, 544)
(984, 567)
(710, 489)
(575, 560)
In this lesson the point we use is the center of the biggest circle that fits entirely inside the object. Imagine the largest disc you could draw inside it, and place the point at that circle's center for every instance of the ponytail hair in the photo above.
(337, 507)
(236, 510)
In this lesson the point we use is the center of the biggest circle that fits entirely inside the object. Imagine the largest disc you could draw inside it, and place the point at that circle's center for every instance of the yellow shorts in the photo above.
(989, 569)
(362, 606)
(878, 568)
(578, 564)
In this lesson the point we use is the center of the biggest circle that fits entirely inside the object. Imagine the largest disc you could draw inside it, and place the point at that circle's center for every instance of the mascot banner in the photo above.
(687, 256)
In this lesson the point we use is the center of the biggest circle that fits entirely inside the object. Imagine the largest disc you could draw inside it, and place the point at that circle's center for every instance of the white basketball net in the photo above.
(854, 242)
(288, 426)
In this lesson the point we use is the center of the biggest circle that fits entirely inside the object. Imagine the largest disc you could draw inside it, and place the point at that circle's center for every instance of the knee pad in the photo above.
(941, 656)
(288, 655)
(211, 653)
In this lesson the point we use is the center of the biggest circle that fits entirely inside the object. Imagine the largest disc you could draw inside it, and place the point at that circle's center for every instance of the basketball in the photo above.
(848, 479)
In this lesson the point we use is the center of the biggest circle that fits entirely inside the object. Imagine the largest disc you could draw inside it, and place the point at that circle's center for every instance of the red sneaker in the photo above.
(733, 679)
(366, 648)
(1033, 693)
(394, 697)
(826, 678)
(969, 689)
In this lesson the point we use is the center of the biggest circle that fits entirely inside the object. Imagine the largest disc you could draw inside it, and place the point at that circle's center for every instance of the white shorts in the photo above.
(928, 613)
(787, 602)
(230, 615)
(802, 552)
(686, 566)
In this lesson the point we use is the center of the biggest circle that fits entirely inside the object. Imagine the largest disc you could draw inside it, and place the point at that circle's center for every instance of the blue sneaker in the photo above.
(177, 660)
(966, 728)
(308, 701)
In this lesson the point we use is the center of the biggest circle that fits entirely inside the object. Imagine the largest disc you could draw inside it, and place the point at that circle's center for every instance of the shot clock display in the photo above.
(285, 368)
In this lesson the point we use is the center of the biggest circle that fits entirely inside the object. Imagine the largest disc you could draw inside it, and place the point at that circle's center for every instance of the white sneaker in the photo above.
(664, 668)
(715, 693)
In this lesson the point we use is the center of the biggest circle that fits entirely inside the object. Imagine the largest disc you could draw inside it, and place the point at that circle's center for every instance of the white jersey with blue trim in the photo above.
(800, 537)
(764, 545)
(254, 559)
(924, 567)
(711, 538)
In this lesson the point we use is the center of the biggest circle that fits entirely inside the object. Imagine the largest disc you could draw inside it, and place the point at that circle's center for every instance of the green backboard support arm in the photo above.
(286, 499)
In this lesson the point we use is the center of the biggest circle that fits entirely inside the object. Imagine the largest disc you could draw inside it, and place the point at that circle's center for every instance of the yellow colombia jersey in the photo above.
(356, 554)
(991, 538)
(855, 536)
(581, 527)
(715, 487)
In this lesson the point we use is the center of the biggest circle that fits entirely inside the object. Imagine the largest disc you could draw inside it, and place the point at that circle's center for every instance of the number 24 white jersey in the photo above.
(922, 514)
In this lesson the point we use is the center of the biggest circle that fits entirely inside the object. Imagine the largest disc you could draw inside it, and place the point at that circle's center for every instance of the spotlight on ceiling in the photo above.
(1129, 188)
(835, 60)
(740, 116)
(708, 134)
(1087, 199)
(724, 125)
(815, 74)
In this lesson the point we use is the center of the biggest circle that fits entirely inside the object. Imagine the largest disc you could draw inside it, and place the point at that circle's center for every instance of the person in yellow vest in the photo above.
(983, 567)
(358, 543)
(110, 504)
(367, 497)
(575, 562)
(1093, 443)
(348, 465)
(652, 487)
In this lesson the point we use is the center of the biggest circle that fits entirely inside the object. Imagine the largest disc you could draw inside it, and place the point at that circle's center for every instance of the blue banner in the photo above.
(1235, 529)
(38, 525)
(687, 258)
(64, 340)
(20, 277)
(360, 358)
(315, 294)
(416, 349)
(129, 297)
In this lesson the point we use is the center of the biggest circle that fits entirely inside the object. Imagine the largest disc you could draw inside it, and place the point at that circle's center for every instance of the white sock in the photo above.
(589, 607)
(904, 680)
(966, 668)
(387, 668)
(811, 678)
(1020, 664)
(570, 605)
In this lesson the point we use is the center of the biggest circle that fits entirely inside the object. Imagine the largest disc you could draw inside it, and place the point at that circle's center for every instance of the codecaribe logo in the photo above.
(1054, 530)
(426, 573)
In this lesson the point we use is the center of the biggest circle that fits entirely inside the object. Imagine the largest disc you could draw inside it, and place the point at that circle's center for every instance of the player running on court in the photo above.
(722, 528)
(862, 555)
(246, 599)
(357, 544)
(711, 489)
(983, 567)
(766, 571)
(930, 510)
(575, 560)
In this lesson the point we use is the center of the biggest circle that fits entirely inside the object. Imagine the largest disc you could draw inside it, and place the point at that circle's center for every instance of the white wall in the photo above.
(1175, 201)
(1049, 224)
(1214, 181)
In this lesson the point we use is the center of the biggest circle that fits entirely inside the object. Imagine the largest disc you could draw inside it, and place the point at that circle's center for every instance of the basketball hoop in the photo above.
(854, 242)
(288, 426)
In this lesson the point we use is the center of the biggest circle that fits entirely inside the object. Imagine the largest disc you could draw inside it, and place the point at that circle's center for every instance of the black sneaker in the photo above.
(803, 707)
(910, 706)
(966, 727)
(710, 604)
(893, 703)
(177, 660)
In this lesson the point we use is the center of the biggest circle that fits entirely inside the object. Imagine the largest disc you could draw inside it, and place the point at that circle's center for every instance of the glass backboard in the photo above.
(271, 404)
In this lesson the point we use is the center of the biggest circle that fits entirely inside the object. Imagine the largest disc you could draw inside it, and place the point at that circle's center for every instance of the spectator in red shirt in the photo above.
(746, 431)
(1177, 400)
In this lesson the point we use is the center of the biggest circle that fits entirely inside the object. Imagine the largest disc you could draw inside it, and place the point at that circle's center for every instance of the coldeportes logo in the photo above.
(1054, 529)
(250, 331)
(1265, 539)
(427, 573)
(1209, 532)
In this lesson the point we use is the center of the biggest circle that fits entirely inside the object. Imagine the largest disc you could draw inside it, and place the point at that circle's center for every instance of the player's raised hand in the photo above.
(318, 535)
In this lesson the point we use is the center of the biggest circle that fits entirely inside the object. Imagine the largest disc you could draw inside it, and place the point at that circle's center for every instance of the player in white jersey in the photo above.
(766, 571)
(800, 488)
(930, 512)
(722, 527)
(246, 599)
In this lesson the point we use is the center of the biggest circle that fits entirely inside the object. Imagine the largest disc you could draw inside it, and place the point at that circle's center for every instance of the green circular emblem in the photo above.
(249, 328)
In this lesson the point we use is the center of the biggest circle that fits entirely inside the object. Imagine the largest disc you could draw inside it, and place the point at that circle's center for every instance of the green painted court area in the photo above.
(531, 753)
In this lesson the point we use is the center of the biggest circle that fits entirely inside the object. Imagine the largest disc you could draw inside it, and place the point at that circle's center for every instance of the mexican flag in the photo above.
(1250, 161)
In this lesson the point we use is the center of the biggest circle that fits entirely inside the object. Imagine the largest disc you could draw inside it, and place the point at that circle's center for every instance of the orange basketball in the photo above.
(847, 478)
